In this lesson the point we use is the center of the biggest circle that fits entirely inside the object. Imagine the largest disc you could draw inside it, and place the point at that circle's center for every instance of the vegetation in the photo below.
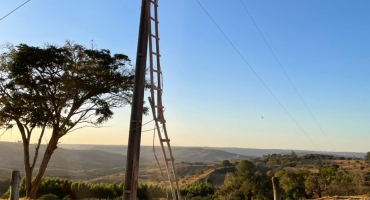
(61, 89)
(367, 157)
(55, 188)
(301, 177)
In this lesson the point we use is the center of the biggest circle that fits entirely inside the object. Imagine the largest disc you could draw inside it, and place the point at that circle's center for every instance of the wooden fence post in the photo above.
(14, 185)
(276, 187)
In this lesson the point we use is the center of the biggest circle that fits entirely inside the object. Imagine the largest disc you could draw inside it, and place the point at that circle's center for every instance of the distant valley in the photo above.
(107, 162)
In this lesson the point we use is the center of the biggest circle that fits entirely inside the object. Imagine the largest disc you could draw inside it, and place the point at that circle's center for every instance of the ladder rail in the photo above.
(155, 99)
(158, 55)
(162, 147)
(159, 165)
(150, 54)
(173, 160)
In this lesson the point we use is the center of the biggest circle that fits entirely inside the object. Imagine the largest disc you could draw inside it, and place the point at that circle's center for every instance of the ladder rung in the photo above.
(127, 191)
(155, 53)
(154, 70)
(156, 88)
(154, 19)
(170, 159)
(159, 106)
(154, 36)
(153, 2)
(165, 140)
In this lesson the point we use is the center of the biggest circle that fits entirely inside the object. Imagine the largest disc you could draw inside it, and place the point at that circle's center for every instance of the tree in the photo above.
(315, 184)
(226, 163)
(58, 88)
(245, 169)
(367, 157)
(292, 183)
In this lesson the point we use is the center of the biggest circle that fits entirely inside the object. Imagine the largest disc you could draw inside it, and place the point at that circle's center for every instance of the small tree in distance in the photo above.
(226, 163)
(58, 88)
(367, 157)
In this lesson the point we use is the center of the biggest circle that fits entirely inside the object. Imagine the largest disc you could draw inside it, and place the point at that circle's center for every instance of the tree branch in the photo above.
(38, 147)
(91, 126)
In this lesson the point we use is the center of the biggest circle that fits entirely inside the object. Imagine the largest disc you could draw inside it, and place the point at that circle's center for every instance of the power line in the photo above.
(255, 73)
(15, 9)
(142, 125)
(281, 66)
(150, 129)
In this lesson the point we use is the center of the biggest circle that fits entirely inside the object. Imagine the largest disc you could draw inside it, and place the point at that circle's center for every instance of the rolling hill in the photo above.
(91, 161)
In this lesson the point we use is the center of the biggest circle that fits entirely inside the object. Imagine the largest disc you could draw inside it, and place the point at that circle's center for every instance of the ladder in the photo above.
(155, 99)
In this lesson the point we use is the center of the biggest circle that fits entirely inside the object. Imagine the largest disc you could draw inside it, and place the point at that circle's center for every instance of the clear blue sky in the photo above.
(212, 98)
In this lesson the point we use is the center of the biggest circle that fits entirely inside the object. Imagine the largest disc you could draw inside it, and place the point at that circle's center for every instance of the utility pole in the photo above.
(133, 149)
(276, 188)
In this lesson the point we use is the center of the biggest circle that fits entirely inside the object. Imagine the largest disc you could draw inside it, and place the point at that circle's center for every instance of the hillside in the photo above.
(79, 164)
(93, 161)
(188, 154)
(260, 152)
(247, 152)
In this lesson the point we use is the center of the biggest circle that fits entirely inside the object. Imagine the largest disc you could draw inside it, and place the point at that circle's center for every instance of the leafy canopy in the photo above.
(60, 87)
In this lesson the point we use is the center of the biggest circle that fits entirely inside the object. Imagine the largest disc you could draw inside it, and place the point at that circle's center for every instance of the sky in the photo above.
(211, 96)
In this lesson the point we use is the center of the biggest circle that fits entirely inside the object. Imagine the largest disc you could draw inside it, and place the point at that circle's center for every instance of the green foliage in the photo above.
(198, 189)
(59, 88)
(246, 182)
(292, 183)
(49, 197)
(68, 189)
(253, 178)
(367, 157)
(52, 85)
(4, 185)
(6, 195)
(226, 163)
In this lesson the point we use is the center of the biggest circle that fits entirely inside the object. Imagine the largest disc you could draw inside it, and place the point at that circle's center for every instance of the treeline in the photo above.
(293, 160)
(68, 189)
(56, 188)
(252, 179)
(244, 179)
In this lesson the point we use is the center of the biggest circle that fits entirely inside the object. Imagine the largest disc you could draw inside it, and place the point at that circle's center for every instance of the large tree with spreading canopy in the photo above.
(60, 89)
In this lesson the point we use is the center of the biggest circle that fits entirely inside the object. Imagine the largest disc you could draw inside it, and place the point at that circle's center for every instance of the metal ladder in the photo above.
(155, 99)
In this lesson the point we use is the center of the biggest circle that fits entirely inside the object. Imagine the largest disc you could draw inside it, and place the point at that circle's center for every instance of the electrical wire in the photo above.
(255, 73)
(151, 129)
(14, 10)
(281, 66)
(142, 125)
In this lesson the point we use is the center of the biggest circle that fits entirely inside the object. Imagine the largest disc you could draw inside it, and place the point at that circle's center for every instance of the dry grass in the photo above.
(360, 197)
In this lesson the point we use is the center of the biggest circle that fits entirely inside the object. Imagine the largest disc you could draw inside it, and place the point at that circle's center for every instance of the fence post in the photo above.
(14, 185)
(276, 187)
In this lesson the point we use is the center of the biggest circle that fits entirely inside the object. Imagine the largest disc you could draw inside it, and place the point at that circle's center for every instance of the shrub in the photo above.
(49, 197)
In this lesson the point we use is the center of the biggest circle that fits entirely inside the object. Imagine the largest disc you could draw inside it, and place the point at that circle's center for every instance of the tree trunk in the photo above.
(44, 163)
(249, 195)
(319, 192)
(27, 166)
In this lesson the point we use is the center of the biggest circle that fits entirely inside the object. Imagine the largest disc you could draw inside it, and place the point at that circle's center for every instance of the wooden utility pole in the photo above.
(14, 185)
(276, 188)
(133, 149)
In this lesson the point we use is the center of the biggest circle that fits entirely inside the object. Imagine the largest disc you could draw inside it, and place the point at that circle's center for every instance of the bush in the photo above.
(49, 197)
(6, 195)
(67, 198)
